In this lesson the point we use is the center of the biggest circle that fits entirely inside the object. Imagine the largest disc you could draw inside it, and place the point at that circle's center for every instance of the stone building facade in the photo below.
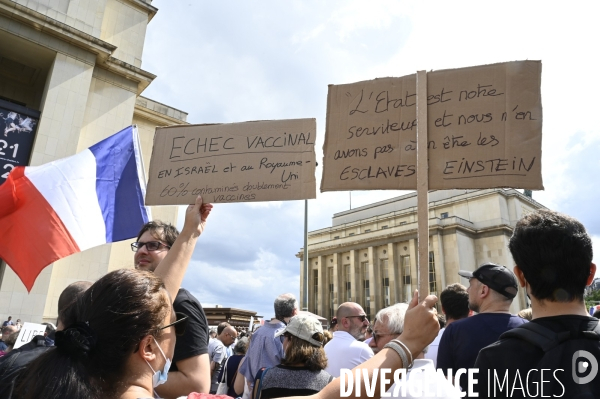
(369, 255)
(78, 65)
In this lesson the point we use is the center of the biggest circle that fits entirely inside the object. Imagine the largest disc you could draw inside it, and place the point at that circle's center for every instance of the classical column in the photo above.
(354, 283)
(337, 283)
(440, 265)
(393, 273)
(321, 276)
(374, 281)
(414, 282)
(63, 107)
(301, 299)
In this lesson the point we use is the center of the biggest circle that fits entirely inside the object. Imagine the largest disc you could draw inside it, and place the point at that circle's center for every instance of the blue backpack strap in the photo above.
(260, 375)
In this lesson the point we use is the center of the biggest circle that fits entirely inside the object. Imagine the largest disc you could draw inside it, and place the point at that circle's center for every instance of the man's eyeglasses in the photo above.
(377, 335)
(180, 324)
(362, 317)
(150, 245)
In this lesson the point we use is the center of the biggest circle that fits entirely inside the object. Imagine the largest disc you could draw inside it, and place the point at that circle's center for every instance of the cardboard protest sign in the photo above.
(27, 332)
(236, 162)
(484, 130)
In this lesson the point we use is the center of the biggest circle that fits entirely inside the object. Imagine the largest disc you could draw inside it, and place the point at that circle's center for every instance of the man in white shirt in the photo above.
(217, 353)
(345, 351)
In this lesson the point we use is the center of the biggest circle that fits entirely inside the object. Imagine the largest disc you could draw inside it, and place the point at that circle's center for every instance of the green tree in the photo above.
(592, 299)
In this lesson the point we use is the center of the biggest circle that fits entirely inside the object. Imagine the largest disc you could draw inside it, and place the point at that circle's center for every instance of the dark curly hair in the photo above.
(555, 253)
(161, 231)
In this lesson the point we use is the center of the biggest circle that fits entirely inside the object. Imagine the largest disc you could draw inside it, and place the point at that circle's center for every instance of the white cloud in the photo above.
(254, 288)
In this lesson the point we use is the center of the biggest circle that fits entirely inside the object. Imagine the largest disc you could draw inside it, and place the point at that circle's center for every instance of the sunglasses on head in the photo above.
(180, 324)
(150, 245)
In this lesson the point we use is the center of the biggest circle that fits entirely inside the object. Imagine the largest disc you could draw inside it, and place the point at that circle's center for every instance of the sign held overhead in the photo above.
(235, 162)
(484, 130)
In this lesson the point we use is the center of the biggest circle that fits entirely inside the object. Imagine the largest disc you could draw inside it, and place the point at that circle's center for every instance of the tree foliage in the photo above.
(592, 299)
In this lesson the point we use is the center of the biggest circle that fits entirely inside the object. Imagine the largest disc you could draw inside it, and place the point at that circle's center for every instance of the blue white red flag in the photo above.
(51, 211)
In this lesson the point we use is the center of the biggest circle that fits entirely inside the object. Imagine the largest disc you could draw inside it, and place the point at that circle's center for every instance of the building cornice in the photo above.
(141, 77)
(412, 210)
(101, 49)
(158, 118)
(143, 5)
(404, 233)
(52, 27)
(433, 204)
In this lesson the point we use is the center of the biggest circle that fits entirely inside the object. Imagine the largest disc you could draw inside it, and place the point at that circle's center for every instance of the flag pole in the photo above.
(305, 259)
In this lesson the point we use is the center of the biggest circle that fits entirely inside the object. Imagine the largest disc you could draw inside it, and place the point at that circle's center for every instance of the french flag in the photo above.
(51, 211)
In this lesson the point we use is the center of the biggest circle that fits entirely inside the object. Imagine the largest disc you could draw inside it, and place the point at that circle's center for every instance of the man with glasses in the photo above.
(190, 370)
(388, 325)
(345, 350)
(226, 336)
(421, 380)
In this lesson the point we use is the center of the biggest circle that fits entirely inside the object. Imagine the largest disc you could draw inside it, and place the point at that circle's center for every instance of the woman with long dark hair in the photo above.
(120, 334)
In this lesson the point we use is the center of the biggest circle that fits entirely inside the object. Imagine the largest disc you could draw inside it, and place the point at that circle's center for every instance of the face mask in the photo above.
(160, 377)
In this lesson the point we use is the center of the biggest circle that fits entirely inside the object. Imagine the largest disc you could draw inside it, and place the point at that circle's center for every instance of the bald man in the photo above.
(217, 353)
(345, 350)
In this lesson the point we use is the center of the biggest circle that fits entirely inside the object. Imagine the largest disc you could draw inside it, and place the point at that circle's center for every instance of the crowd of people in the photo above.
(138, 334)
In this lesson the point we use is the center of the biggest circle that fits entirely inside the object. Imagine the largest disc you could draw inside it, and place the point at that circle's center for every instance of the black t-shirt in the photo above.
(194, 341)
(516, 363)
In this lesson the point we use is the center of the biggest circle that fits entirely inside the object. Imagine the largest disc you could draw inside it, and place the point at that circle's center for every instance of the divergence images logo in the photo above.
(581, 367)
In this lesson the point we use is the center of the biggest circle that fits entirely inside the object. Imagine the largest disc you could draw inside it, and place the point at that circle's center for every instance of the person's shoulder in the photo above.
(185, 295)
(187, 303)
(21, 357)
(458, 325)
(360, 346)
(342, 336)
(324, 375)
(566, 318)
(517, 320)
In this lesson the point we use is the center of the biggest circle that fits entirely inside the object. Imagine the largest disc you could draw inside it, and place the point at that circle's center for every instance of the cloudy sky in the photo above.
(234, 61)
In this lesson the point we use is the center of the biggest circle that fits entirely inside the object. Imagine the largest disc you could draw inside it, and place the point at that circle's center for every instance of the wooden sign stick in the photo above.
(422, 187)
